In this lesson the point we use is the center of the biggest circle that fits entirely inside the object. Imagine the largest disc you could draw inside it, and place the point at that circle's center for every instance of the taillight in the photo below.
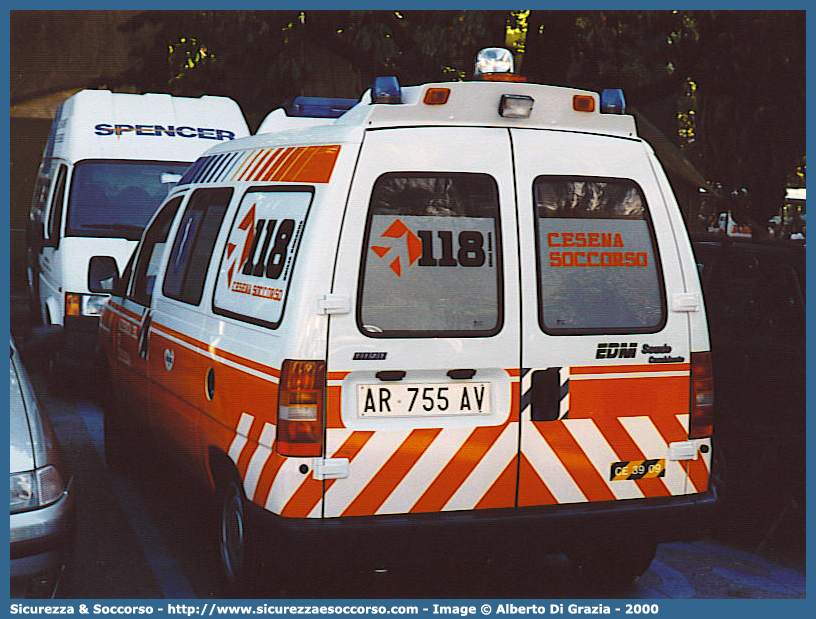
(301, 408)
(702, 396)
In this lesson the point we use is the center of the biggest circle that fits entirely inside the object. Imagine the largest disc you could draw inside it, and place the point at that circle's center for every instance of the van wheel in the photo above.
(234, 554)
(613, 565)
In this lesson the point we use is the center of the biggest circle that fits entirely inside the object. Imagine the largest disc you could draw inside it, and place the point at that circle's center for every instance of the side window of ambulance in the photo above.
(193, 246)
(431, 260)
(147, 261)
(55, 214)
(597, 264)
(259, 259)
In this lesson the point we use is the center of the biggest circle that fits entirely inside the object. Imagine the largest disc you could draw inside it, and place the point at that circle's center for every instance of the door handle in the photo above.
(545, 395)
(144, 332)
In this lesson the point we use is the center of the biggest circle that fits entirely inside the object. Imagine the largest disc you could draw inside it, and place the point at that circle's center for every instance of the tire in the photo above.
(613, 565)
(235, 559)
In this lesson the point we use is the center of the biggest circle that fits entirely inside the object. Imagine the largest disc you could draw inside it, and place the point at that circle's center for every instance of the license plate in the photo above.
(395, 400)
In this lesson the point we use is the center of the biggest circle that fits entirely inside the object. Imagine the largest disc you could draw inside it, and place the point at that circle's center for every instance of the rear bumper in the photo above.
(551, 529)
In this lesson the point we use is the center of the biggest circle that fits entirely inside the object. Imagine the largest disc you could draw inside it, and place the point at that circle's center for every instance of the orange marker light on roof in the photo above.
(583, 103)
(436, 96)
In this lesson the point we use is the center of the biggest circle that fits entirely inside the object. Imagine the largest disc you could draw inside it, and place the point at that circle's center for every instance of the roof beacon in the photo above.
(493, 60)
(612, 101)
(386, 90)
(495, 64)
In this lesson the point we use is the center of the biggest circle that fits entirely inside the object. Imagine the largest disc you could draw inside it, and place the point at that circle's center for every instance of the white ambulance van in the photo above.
(459, 309)
(109, 162)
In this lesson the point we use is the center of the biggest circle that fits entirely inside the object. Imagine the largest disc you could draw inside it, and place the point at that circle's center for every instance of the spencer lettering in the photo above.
(204, 133)
(583, 239)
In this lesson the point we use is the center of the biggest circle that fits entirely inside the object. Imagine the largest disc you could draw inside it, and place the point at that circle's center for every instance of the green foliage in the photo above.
(728, 87)
(261, 58)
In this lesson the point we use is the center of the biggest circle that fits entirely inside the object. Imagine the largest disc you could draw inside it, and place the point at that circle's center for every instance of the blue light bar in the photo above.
(318, 107)
(612, 101)
(386, 90)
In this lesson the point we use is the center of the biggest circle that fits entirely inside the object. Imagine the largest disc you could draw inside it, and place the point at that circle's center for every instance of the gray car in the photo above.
(42, 502)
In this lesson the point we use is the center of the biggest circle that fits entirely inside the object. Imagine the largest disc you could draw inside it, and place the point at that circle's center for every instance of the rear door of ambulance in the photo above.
(423, 369)
(606, 355)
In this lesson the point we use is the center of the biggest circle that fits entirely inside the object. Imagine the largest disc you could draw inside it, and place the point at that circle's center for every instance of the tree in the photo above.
(261, 58)
(727, 86)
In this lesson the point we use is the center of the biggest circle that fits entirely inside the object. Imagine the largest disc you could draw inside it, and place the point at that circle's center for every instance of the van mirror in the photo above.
(102, 274)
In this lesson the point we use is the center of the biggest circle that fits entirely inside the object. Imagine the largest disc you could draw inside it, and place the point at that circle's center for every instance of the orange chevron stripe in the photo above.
(698, 474)
(503, 491)
(270, 471)
(532, 489)
(458, 469)
(385, 481)
(575, 461)
(626, 449)
(310, 492)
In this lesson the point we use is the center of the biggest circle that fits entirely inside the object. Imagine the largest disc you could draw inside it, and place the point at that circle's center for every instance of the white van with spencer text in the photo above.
(459, 311)
(109, 162)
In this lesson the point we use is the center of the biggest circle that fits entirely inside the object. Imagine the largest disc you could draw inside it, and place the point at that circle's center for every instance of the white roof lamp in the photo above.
(493, 60)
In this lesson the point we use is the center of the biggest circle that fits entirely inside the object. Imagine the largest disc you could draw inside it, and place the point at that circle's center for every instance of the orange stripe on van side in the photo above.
(575, 461)
(211, 352)
(252, 174)
(298, 167)
(286, 171)
(281, 162)
(320, 166)
(371, 498)
(240, 173)
(270, 165)
(458, 469)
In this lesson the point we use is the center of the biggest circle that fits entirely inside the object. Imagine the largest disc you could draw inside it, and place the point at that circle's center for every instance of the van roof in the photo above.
(468, 104)
(99, 124)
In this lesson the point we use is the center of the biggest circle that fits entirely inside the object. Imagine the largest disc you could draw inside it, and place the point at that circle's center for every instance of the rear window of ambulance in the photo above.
(598, 269)
(431, 260)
